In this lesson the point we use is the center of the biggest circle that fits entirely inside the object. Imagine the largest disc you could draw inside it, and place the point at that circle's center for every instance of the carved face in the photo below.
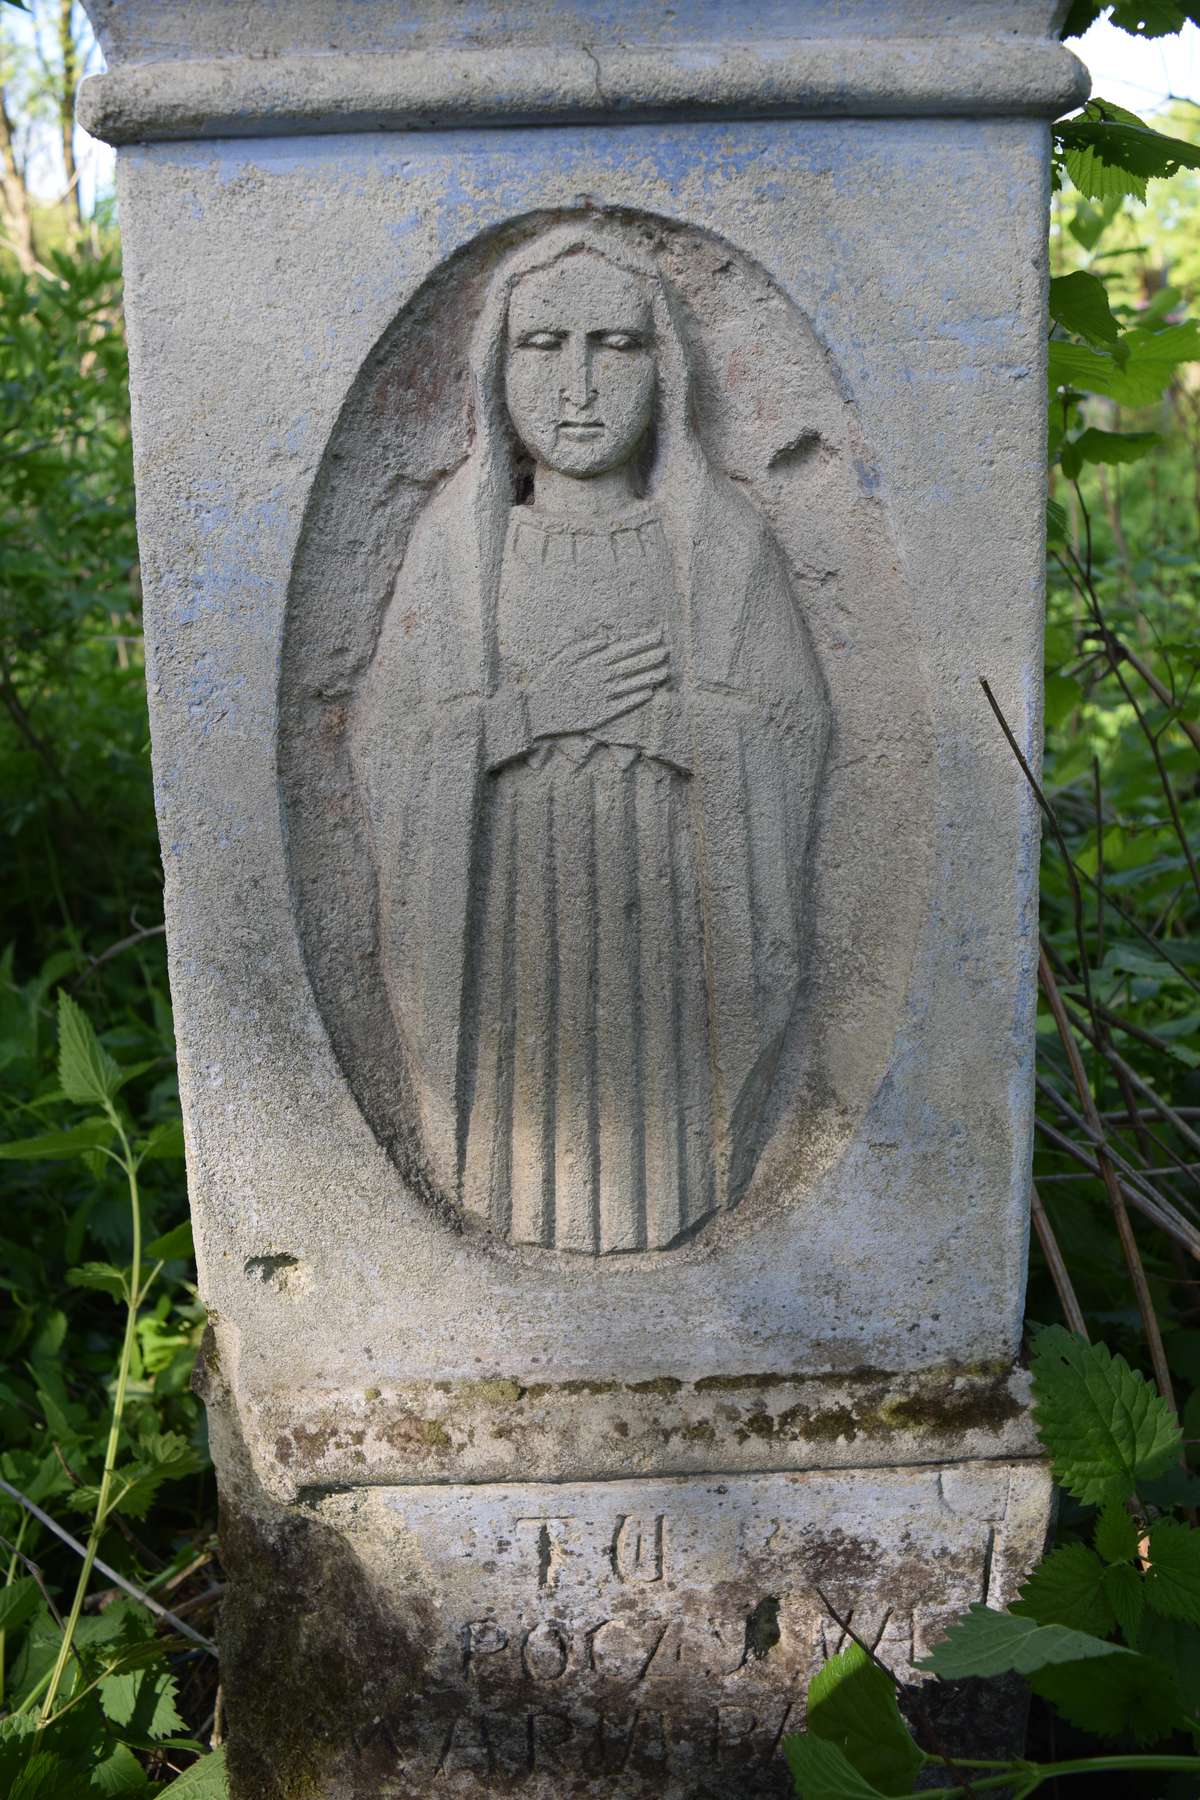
(579, 365)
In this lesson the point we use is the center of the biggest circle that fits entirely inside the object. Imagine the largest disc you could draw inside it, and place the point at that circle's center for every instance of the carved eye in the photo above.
(540, 340)
(620, 340)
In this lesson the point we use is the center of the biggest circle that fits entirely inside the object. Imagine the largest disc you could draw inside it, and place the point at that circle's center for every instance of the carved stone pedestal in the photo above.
(586, 459)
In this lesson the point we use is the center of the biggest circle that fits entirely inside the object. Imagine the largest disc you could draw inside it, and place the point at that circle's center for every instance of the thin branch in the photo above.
(1108, 1175)
(135, 1593)
(1156, 1210)
(1123, 653)
(1164, 1110)
(1063, 1285)
(126, 943)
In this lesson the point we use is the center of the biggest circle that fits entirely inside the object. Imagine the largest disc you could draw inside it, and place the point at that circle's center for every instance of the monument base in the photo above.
(652, 1636)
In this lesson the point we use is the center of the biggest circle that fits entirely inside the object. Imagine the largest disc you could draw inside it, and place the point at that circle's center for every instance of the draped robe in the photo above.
(593, 945)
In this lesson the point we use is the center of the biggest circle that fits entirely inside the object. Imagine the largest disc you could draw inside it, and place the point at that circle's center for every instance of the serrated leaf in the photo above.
(852, 1704)
(1150, 359)
(172, 1244)
(1094, 172)
(161, 1457)
(1105, 1426)
(1079, 303)
(86, 1072)
(102, 1277)
(120, 1774)
(1067, 1588)
(1125, 1591)
(821, 1772)
(984, 1642)
(1109, 152)
(1082, 15)
(205, 1780)
(18, 1602)
(48, 1777)
(165, 1141)
(1149, 18)
(1088, 224)
(1113, 447)
(1173, 1577)
(1116, 1536)
(1123, 1696)
(1056, 521)
(1177, 1644)
(142, 1702)
(57, 1146)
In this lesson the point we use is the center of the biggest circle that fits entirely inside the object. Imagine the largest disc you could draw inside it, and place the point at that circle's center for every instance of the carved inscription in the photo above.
(549, 1538)
(658, 1635)
(589, 746)
(639, 1548)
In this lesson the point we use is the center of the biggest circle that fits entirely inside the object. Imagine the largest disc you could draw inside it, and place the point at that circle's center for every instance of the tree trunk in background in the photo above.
(69, 51)
(18, 221)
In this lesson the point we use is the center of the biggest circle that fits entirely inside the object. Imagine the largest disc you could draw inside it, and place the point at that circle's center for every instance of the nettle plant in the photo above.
(91, 1696)
(1107, 1631)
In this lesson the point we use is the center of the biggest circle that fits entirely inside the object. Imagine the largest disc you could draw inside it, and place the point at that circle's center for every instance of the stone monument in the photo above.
(586, 458)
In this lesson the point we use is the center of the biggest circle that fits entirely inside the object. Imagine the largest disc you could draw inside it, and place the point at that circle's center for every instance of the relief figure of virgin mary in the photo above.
(589, 745)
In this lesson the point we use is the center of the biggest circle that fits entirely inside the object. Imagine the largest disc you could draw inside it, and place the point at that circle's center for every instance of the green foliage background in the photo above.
(137, 1701)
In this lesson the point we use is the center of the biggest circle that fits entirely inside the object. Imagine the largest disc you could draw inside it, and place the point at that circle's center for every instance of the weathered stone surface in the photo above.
(668, 1159)
(650, 1636)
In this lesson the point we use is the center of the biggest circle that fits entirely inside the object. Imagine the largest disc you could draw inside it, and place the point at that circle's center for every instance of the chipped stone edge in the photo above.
(499, 1429)
(429, 89)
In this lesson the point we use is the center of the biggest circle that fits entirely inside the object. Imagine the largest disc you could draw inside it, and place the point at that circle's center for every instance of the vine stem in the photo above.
(1020, 1774)
(129, 1164)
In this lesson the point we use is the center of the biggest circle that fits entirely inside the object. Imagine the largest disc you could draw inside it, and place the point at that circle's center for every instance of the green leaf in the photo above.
(18, 1602)
(120, 1774)
(1116, 1536)
(1067, 1588)
(1125, 1591)
(205, 1780)
(1173, 1577)
(1112, 447)
(86, 1072)
(1104, 1426)
(172, 1245)
(1088, 224)
(1126, 1695)
(984, 1642)
(1056, 522)
(1083, 14)
(819, 1770)
(1149, 18)
(852, 1704)
(1079, 303)
(1069, 459)
(1110, 153)
(165, 1142)
(1177, 1644)
(55, 1146)
(1150, 359)
(102, 1277)
(1063, 695)
(142, 1701)
(48, 1777)
(162, 1456)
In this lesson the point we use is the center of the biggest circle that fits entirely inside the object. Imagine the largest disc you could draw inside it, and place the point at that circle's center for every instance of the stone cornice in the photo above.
(430, 89)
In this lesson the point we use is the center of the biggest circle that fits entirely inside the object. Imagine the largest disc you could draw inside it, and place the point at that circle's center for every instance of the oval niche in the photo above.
(608, 853)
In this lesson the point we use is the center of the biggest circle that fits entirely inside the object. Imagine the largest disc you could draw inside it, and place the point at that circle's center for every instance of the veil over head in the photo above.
(678, 475)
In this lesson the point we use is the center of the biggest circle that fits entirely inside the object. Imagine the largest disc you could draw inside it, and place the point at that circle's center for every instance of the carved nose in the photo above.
(577, 391)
